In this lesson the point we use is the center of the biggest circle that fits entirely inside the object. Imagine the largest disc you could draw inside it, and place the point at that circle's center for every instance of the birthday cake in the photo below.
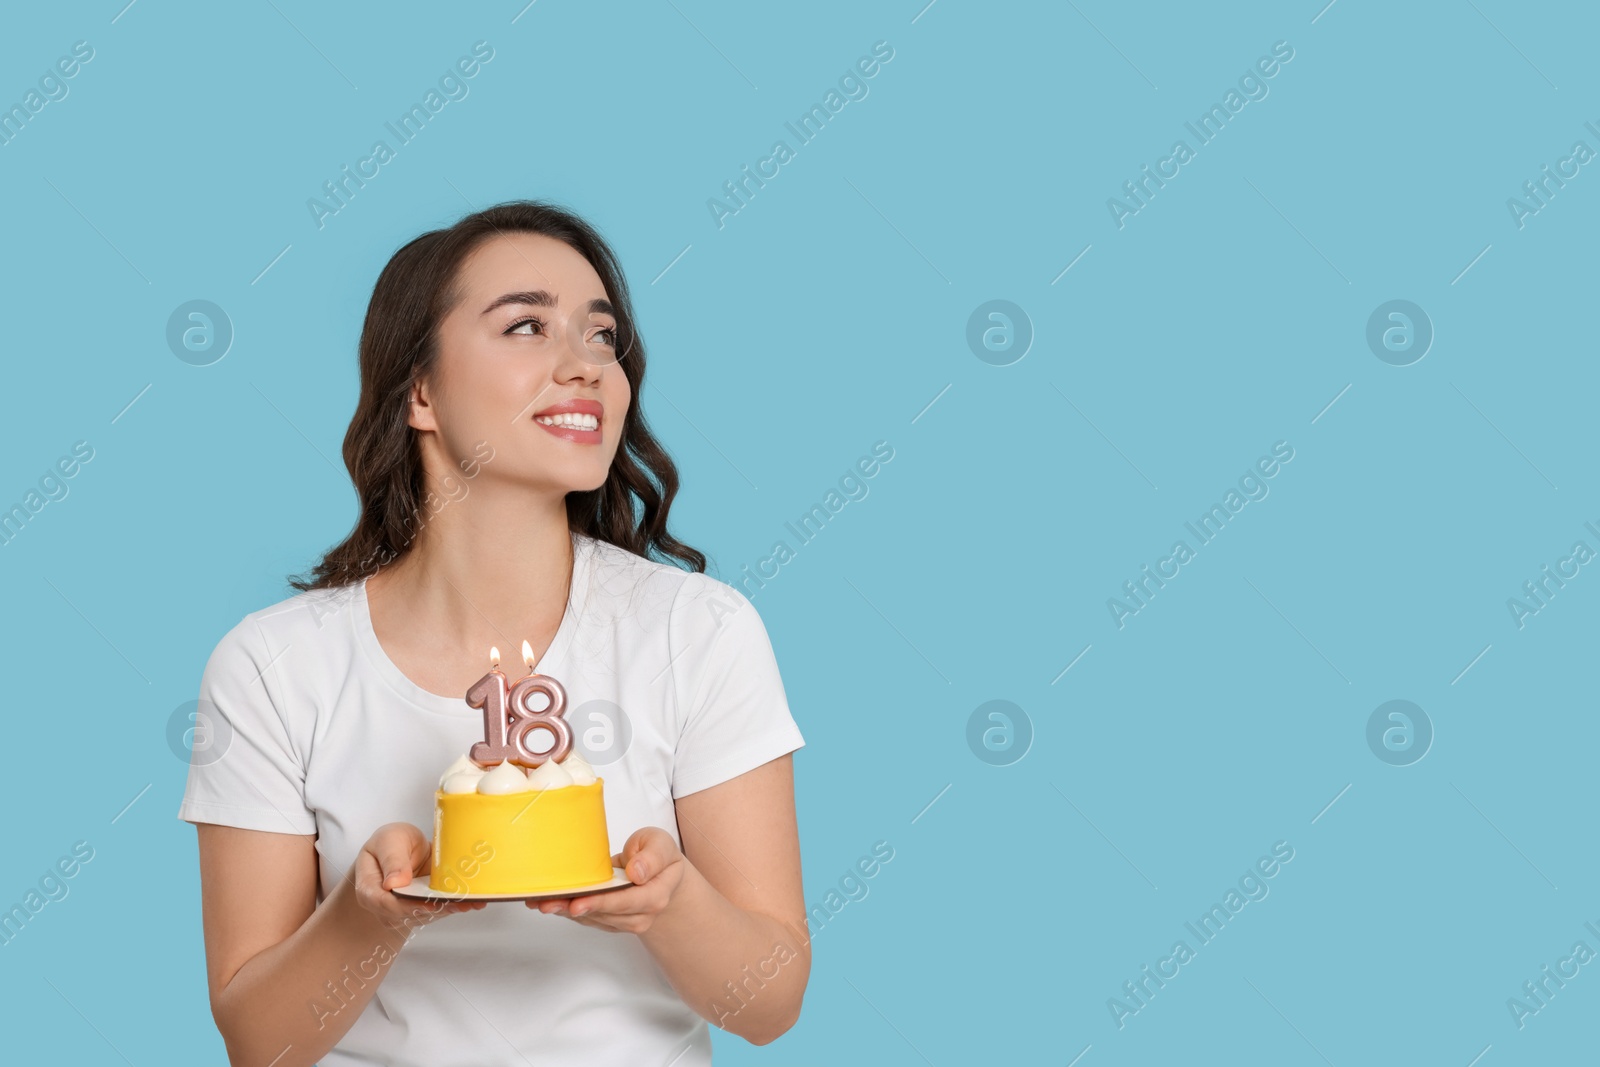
(501, 828)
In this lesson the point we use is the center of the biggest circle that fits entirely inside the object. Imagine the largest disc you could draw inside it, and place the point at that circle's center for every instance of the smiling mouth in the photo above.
(569, 421)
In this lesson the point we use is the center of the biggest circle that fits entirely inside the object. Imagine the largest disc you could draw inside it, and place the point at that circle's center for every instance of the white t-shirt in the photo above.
(307, 727)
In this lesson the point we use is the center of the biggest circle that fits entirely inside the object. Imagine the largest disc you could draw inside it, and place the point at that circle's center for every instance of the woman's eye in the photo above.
(610, 335)
(517, 327)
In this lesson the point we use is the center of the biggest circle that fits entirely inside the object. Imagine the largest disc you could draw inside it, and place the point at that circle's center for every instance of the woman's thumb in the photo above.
(395, 852)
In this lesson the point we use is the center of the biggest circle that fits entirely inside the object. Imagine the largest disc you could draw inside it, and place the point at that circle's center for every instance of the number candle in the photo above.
(552, 717)
(489, 693)
(508, 717)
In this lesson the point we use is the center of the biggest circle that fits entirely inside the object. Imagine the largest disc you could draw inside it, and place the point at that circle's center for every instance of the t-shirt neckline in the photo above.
(551, 662)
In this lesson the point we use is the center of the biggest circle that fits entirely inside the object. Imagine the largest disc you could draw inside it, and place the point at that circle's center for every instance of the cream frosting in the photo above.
(549, 775)
(461, 782)
(578, 767)
(504, 777)
(465, 776)
(462, 765)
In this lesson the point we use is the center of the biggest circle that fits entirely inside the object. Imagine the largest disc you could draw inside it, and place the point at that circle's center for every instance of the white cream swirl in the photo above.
(461, 782)
(465, 776)
(504, 777)
(461, 766)
(579, 769)
(549, 775)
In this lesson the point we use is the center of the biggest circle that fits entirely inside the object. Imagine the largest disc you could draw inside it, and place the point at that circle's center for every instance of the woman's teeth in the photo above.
(570, 421)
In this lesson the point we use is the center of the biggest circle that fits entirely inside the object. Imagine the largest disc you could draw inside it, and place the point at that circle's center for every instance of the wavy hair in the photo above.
(399, 345)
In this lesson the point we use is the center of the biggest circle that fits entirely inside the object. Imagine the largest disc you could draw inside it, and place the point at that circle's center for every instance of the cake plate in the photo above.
(419, 889)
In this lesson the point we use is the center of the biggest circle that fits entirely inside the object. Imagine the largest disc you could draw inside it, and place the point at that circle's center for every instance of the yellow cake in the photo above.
(501, 830)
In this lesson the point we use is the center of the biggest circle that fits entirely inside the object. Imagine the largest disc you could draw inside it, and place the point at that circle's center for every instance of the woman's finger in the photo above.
(634, 900)
(394, 856)
(371, 895)
(551, 906)
(398, 855)
(647, 853)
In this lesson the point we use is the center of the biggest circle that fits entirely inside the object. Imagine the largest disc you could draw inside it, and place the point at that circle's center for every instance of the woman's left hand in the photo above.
(652, 859)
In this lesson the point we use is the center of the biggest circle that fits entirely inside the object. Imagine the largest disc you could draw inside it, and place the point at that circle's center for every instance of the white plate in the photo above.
(418, 889)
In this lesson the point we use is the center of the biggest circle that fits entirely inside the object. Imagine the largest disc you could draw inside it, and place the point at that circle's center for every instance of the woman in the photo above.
(509, 489)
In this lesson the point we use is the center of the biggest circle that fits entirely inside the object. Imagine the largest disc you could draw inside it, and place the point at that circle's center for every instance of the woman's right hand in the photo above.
(394, 855)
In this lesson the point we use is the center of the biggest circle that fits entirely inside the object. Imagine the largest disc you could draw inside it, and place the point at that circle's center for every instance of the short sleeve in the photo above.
(733, 714)
(243, 769)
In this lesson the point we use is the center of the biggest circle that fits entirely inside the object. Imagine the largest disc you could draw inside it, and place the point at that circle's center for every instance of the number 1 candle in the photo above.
(489, 693)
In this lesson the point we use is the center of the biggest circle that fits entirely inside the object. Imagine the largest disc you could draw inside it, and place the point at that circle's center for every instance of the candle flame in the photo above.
(494, 655)
(527, 655)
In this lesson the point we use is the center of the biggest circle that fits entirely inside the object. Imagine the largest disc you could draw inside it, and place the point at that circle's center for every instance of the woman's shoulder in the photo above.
(303, 618)
(661, 594)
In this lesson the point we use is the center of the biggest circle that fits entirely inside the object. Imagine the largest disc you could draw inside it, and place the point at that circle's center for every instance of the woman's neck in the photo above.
(493, 568)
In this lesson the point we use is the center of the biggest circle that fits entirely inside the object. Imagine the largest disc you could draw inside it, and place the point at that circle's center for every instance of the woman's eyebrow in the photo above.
(537, 298)
(543, 298)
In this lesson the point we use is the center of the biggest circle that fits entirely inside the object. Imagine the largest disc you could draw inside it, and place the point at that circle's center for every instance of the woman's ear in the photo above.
(419, 408)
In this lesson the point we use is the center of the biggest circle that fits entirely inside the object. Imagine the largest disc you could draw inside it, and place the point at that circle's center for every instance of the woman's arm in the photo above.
(725, 918)
(287, 976)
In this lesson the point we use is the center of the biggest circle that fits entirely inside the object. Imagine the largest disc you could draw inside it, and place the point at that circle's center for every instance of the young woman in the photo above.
(492, 512)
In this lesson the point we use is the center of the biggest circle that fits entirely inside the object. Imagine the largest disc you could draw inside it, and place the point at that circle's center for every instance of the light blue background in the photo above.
(826, 316)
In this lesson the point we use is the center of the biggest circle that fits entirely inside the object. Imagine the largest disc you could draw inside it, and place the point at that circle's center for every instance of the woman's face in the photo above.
(528, 362)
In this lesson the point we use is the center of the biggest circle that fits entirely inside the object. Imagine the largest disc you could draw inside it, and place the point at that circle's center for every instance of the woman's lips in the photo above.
(568, 433)
(578, 410)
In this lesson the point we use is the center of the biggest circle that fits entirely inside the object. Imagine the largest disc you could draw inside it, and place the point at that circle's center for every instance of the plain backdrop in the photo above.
(830, 313)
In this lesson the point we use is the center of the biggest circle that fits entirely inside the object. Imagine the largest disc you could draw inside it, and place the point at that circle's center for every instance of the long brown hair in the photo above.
(399, 345)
